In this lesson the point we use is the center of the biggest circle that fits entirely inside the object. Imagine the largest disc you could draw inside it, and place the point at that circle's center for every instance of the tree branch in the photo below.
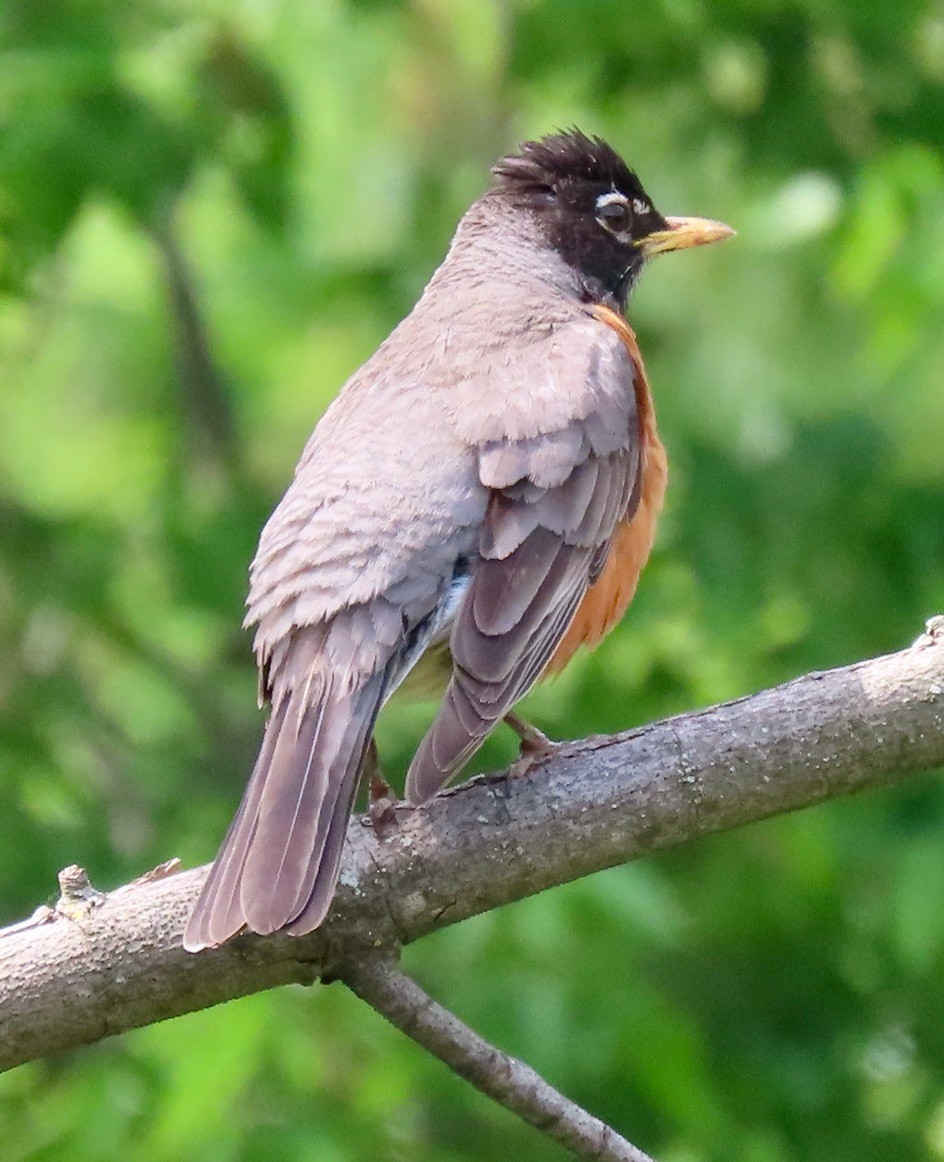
(511, 1083)
(118, 963)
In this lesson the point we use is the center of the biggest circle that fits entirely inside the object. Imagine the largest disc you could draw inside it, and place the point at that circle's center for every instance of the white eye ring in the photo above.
(614, 214)
(612, 198)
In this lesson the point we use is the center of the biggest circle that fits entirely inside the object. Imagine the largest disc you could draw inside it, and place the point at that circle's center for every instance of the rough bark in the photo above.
(102, 966)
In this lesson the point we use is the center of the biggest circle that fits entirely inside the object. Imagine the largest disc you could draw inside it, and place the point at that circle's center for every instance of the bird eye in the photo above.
(613, 212)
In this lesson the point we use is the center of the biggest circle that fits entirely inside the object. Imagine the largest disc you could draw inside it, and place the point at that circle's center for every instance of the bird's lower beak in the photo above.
(684, 232)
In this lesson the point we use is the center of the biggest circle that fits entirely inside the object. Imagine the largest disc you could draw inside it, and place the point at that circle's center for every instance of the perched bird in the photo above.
(484, 491)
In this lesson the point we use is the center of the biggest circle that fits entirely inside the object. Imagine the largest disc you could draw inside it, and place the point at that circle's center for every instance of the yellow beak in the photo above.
(684, 232)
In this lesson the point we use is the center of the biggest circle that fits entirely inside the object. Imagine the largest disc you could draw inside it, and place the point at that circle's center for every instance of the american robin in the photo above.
(483, 491)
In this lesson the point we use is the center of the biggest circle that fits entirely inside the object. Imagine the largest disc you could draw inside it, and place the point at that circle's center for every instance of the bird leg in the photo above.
(535, 745)
(381, 801)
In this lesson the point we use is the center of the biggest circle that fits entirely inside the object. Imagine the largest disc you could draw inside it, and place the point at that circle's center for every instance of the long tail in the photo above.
(278, 865)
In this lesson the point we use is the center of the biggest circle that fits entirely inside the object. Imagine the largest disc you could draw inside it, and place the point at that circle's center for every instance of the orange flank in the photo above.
(607, 599)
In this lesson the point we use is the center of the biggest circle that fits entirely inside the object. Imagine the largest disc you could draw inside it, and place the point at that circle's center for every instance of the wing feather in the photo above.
(556, 501)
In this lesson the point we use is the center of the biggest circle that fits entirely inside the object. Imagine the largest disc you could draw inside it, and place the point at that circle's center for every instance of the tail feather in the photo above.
(217, 914)
(332, 828)
(282, 851)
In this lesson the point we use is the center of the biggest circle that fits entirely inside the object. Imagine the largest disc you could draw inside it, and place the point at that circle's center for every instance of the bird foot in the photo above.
(381, 804)
(527, 761)
(534, 742)
(381, 800)
(536, 747)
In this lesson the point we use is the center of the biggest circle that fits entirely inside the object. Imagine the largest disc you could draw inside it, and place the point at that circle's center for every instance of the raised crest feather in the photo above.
(567, 154)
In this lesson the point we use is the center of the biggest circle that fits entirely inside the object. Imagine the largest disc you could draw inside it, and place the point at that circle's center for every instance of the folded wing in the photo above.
(556, 500)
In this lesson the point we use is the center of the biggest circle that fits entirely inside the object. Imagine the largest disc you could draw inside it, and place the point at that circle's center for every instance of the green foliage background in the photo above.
(210, 214)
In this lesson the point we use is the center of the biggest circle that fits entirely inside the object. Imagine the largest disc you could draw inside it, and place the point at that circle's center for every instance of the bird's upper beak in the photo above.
(682, 233)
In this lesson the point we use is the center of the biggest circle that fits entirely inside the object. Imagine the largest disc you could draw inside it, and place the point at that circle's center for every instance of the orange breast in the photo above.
(606, 600)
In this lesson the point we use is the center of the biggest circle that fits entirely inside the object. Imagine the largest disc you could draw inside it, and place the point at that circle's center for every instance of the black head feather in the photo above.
(565, 156)
(561, 180)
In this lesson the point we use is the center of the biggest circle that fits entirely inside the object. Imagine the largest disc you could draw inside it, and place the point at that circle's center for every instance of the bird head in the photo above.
(592, 209)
